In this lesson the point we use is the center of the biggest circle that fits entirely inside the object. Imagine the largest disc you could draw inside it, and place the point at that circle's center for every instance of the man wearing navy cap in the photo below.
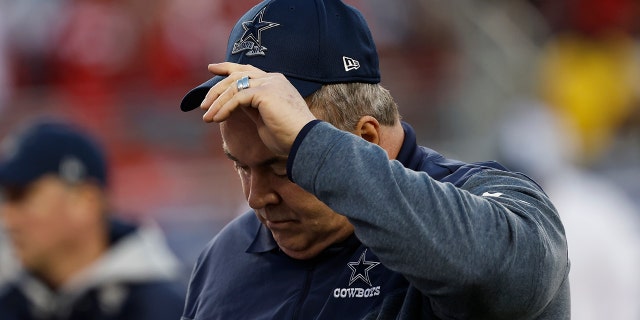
(78, 261)
(350, 218)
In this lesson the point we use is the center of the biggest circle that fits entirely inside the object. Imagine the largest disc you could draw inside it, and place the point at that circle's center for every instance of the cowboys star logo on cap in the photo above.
(251, 39)
(71, 169)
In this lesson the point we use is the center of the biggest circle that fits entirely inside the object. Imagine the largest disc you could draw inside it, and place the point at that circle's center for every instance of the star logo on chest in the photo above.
(360, 269)
(251, 39)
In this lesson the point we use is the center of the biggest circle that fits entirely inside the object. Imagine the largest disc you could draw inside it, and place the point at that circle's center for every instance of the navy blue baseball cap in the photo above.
(51, 147)
(311, 42)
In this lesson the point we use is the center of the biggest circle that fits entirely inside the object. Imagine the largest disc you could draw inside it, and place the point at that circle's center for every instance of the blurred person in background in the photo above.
(589, 73)
(78, 260)
(351, 218)
(4, 64)
(588, 90)
(602, 223)
(8, 264)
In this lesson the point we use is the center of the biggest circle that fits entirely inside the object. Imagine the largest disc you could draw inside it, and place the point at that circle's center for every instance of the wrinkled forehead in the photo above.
(238, 125)
(240, 138)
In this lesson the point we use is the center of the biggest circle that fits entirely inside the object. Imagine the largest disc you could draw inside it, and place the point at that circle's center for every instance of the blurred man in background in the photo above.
(8, 265)
(79, 262)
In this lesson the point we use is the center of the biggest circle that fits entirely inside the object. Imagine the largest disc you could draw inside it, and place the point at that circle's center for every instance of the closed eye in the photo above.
(241, 168)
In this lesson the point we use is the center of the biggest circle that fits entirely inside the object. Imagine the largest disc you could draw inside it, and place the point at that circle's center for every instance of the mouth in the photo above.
(275, 220)
(279, 224)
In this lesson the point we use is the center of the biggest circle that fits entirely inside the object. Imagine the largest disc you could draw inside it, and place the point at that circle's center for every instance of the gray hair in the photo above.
(343, 104)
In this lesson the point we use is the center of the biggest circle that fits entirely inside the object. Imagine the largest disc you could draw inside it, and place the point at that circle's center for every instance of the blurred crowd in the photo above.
(120, 68)
(549, 87)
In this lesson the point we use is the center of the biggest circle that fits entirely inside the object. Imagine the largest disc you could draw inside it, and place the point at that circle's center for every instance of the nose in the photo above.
(261, 191)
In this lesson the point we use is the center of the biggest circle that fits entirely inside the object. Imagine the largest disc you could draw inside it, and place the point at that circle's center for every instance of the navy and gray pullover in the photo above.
(136, 279)
(434, 239)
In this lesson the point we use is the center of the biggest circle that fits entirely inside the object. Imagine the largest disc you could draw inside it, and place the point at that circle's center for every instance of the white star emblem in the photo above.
(360, 269)
(251, 39)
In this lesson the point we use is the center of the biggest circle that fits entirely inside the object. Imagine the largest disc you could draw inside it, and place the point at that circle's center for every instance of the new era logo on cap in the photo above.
(71, 169)
(350, 64)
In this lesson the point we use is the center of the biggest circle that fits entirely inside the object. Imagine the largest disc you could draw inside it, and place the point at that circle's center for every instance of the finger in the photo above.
(226, 107)
(230, 88)
(233, 71)
(222, 91)
(227, 68)
(221, 87)
(254, 115)
(229, 100)
(212, 108)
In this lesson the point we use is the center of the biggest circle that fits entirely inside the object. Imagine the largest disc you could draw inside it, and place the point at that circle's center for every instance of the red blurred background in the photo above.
(459, 70)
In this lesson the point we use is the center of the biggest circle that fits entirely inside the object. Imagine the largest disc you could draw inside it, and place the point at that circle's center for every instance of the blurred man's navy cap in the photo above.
(311, 42)
(51, 147)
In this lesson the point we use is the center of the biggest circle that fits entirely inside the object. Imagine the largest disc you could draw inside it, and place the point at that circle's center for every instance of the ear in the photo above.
(369, 129)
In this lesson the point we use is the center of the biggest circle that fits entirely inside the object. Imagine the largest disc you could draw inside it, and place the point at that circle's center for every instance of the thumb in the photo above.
(253, 114)
(268, 137)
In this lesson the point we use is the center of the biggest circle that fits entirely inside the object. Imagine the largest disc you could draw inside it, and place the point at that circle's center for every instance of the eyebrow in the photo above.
(267, 162)
(13, 193)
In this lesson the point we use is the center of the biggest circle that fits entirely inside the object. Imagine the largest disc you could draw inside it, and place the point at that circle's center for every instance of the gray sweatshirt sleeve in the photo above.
(495, 243)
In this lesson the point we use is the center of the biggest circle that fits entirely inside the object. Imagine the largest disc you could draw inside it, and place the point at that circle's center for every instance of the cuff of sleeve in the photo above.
(296, 144)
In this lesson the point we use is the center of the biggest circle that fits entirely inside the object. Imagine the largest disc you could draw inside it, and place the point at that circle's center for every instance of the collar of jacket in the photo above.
(264, 242)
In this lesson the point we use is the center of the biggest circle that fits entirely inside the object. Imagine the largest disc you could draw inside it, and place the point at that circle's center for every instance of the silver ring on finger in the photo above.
(242, 83)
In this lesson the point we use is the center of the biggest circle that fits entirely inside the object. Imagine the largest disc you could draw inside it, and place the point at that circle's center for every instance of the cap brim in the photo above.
(13, 175)
(194, 98)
